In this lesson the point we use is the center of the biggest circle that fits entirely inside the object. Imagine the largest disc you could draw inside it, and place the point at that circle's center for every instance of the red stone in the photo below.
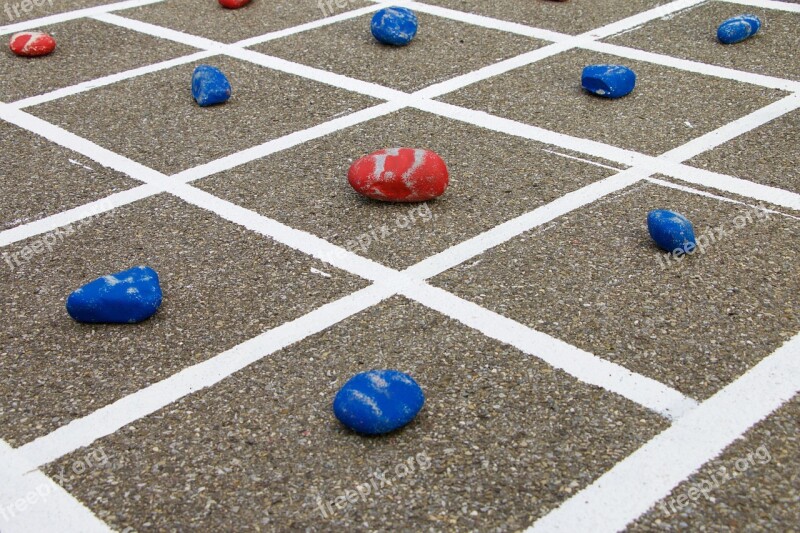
(233, 4)
(400, 175)
(32, 44)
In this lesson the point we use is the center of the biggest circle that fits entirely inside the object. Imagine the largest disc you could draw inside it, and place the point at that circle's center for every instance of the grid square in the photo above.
(752, 486)
(507, 438)
(573, 17)
(596, 280)
(39, 178)
(55, 369)
(692, 34)
(768, 155)
(494, 177)
(442, 49)
(172, 133)
(86, 49)
(209, 19)
(668, 108)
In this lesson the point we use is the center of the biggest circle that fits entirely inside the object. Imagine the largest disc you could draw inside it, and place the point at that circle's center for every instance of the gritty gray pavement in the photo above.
(39, 178)
(504, 438)
(668, 108)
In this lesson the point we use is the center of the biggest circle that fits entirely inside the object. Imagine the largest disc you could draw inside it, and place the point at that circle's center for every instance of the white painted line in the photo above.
(734, 129)
(78, 144)
(161, 32)
(698, 192)
(730, 184)
(487, 22)
(299, 240)
(768, 4)
(108, 80)
(642, 18)
(697, 67)
(495, 69)
(286, 142)
(107, 420)
(588, 161)
(464, 251)
(77, 214)
(313, 25)
(72, 15)
(638, 482)
(520, 129)
(330, 78)
(32, 502)
(580, 364)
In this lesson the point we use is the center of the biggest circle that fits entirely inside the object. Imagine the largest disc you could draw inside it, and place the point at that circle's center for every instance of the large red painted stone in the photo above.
(233, 4)
(32, 44)
(400, 175)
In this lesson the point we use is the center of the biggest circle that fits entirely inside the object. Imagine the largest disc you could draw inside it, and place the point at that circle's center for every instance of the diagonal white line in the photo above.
(580, 364)
(638, 482)
(72, 15)
(30, 501)
(768, 4)
(107, 420)
(108, 80)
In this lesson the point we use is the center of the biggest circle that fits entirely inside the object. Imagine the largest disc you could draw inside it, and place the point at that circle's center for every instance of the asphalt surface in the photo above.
(504, 438)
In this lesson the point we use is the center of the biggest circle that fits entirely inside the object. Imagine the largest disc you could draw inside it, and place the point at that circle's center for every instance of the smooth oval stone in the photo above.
(394, 25)
(127, 297)
(737, 29)
(233, 4)
(378, 401)
(32, 44)
(609, 81)
(210, 86)
(671, 231)
(400, 175)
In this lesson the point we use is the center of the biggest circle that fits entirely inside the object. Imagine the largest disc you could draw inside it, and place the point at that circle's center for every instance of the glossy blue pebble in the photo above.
(609, 81)
(210, 86)
(738, 29)
(671, 231)
(378, 401)
(127, 297)
(394, 25)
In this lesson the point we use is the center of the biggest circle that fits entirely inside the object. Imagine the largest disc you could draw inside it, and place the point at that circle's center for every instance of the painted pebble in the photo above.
(378, 401)
(32, 44)
(609, 81)
(210, 86)
(400, 175)
(127, 297)
(233, 4)
(671, 231)
(737, 29)
(394, 25)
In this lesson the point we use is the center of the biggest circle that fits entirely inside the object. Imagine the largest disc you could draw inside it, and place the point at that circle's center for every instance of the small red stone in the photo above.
(233, 4)
(400, 175)
(32, 44)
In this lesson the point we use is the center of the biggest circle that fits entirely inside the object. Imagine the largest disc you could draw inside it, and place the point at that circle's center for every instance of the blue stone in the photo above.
(210, 86)
(127, 297)
(738, 29)
(378, 401)
(671, 231)
(609, 81)
(394, 25)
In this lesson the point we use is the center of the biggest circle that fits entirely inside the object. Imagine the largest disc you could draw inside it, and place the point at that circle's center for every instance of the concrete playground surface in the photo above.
(577, 378)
